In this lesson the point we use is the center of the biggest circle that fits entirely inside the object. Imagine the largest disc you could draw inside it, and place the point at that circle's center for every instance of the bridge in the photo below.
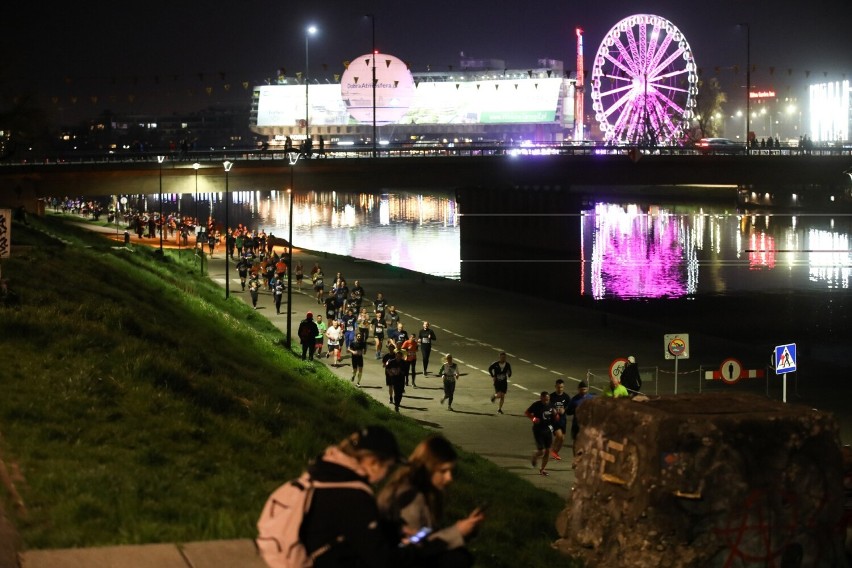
(556, 168)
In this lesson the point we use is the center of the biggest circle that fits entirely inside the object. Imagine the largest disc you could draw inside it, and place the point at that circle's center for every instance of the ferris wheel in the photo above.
(644, 82)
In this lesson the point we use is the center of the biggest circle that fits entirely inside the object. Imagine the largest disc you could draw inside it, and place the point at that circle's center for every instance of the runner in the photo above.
(500, 371)
(560, 401)
(541, 414)
(357, 348)
(450, 374)
(426, 337)
(334, 335)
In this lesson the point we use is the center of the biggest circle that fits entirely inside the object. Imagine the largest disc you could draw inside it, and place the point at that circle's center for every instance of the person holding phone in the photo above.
(414, 498)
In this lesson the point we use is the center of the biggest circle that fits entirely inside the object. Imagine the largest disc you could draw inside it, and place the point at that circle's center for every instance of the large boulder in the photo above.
(705, 480)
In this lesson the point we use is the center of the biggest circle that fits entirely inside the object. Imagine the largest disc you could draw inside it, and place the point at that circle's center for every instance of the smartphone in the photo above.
(419, 536)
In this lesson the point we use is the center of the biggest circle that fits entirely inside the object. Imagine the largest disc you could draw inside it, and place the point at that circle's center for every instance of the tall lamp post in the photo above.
(294, 157)
(195, 166)
(160, 162)
(228, 165)
(373, 57)
(311, 30)
(748, 83)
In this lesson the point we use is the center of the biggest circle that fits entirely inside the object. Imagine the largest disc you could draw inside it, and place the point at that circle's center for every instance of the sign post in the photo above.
(785, 362)
(676, 347)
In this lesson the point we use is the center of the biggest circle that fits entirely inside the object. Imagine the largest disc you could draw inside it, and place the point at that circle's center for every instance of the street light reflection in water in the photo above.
(627, 250)
(653, 251)
(418, 232)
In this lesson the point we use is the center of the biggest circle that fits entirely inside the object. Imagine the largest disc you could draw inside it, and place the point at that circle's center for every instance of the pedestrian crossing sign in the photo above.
(785, 359)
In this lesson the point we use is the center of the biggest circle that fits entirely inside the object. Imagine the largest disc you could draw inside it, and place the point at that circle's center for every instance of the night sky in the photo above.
(161, 56)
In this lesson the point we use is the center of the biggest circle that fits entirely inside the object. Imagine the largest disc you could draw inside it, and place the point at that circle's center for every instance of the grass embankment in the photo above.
(142, 407)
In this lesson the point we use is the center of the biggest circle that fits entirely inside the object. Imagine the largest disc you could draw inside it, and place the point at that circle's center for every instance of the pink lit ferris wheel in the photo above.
(644, 82)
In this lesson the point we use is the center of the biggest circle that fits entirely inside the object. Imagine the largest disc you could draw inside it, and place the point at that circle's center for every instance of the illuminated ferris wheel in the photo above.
(644, 82)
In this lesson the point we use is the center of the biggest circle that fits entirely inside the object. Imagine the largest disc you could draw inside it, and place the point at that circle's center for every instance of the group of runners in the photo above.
(353, 328)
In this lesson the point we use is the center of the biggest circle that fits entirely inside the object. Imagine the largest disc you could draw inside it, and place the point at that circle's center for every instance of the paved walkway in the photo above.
(544, 341)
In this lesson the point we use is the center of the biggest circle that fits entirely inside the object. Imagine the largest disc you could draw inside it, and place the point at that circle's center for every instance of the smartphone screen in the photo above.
(419, 535)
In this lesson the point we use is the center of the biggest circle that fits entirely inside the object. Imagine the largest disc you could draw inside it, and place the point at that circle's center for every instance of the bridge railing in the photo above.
(407, 151)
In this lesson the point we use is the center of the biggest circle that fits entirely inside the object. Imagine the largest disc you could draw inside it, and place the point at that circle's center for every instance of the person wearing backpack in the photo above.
(340, 525)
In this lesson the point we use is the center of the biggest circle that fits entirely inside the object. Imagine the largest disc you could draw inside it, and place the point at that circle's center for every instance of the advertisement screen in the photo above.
(403, 99)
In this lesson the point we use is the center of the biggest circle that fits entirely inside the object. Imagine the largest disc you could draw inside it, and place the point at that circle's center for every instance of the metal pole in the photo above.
(160, 161)
(228, 165)
(290, 264)
(195, 166)
(307, 84)
(748, 85)
(308, 32)
(373, 58)
(293, 157)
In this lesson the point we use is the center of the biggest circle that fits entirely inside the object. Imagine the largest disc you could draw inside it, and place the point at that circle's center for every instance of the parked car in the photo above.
(719, 146)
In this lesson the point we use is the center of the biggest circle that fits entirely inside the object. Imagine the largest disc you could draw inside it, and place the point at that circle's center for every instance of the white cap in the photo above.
(631, 359)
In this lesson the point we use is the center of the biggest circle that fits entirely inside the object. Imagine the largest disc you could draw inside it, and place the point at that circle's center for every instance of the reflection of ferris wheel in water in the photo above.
(644, 82)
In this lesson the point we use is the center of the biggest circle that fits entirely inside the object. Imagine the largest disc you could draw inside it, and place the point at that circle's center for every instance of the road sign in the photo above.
(676, 345)
(785, 359)
(617, 367)
(731, 370)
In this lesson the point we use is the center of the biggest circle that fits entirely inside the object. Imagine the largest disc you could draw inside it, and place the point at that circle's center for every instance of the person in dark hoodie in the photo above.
(348, 519)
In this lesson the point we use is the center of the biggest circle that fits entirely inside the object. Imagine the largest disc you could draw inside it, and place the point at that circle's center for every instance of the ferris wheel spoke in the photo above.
(630, 69)
(631, 42)
(659, 97)
(664, 64)
(662, 49)
(670, 88)
(617, 63)
(618, 78)
(652, 46)
(617, 90)
(675, 73)
(616, 105)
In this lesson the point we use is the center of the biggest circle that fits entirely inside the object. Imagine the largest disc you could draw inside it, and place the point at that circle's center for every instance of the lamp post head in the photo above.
(228, 165)
(160, 159)
(311, 30)
(195, 166)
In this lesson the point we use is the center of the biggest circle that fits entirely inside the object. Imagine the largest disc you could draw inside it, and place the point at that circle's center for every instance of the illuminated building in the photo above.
(830, 111)
(474, 104)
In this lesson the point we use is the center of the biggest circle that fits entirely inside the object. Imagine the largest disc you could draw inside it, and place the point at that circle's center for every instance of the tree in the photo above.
(708, 108)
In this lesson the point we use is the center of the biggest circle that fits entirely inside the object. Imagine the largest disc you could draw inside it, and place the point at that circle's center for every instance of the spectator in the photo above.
(414, 498)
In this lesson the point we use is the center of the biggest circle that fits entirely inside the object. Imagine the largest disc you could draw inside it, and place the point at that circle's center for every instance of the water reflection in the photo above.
(657, 251)
(635, 250)
(414, 231)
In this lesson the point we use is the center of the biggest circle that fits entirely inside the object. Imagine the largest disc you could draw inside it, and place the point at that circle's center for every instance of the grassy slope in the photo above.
(141, 407)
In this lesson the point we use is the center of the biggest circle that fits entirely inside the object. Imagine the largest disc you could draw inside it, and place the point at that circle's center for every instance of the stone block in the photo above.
(728, 480)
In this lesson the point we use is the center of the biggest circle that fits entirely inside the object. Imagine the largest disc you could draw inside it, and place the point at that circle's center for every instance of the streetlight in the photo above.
(294, 157)
(228, 165)
(195, 166)
(160, 161)
(373, 25)
(748, 83)
(308, 32)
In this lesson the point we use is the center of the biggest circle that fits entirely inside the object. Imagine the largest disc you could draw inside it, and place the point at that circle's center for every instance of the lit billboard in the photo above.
(830, 111)
(405, 99)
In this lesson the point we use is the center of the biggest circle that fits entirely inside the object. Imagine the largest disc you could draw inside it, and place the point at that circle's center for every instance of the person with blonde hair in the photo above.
(414, 498)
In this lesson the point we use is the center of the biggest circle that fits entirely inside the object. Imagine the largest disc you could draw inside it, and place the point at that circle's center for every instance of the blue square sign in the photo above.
(785, 359)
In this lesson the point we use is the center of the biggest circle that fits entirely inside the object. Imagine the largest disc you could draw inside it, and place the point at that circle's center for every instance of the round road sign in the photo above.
(731, 370)
(677, 346)
(617, 367)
